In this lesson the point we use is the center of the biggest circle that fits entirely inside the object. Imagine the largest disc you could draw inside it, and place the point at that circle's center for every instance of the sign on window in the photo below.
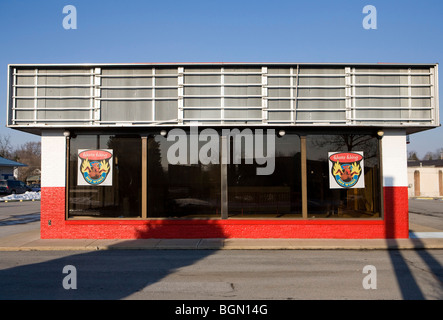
(346, 170)
(94, 167)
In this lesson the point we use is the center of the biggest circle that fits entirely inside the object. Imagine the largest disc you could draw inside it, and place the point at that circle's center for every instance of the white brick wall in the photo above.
(394, 153)
(53, 159)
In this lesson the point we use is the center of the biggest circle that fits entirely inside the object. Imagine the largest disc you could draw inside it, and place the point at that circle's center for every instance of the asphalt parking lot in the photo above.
(16, 217)
(426, 215)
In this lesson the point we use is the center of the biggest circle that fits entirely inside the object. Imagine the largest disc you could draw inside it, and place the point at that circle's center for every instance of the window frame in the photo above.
(224, 172)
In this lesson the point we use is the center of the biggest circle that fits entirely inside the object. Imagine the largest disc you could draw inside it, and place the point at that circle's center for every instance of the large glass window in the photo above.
(330, 191)
(104, 176)
(274, 195)
(181, 189)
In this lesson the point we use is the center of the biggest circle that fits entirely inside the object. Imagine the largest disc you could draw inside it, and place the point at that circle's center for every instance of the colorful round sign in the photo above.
(346, 168)
(95, 165)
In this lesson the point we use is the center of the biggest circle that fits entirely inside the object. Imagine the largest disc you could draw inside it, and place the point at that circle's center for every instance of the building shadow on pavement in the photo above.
(101, 275)
(408, 285)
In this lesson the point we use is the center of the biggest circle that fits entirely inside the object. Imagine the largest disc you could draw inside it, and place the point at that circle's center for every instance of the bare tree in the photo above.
(412, 155)
(349, 142)
(438, 154)
(429, 156)
(29, 154)
(6, 150)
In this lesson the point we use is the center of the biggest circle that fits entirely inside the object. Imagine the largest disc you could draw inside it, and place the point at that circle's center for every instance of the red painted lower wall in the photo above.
(394, 225)
(396, 212)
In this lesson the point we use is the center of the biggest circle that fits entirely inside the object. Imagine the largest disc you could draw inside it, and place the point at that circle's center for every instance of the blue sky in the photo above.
(220, 31)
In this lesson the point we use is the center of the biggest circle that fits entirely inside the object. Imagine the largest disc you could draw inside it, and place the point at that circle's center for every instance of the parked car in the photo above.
(3, 186)
(12, 187)
(35, 187)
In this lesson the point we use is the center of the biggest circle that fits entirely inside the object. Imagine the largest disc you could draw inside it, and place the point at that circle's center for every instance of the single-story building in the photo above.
(8, 168)
(33, 180)
(224, 150)
(425, 178)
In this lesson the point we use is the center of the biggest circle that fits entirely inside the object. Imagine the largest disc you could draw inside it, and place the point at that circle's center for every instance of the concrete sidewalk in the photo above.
(30, 240)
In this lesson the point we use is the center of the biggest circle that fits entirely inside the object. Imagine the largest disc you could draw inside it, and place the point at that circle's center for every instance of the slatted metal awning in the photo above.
(222, 94)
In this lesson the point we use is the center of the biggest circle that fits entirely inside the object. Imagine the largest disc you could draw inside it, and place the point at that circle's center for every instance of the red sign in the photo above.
(95, 155)
(346, 157)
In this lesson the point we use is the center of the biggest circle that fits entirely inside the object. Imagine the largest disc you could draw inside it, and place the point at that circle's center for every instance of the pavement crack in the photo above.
(436, 276)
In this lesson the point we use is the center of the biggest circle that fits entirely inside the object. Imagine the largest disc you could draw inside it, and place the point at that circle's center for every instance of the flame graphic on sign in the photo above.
(356, 170)
(104, 166)
(86, 166)
(337, 169)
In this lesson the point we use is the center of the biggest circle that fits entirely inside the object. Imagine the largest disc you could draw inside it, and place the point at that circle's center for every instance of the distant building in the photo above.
(33, 179)
(425, 178)
(8, 168)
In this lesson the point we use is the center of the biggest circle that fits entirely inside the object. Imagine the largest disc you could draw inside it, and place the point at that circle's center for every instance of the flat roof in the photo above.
(159, 94)
(320, 64)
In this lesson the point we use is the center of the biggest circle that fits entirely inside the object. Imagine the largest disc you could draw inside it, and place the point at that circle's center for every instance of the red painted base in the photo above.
(394, 225)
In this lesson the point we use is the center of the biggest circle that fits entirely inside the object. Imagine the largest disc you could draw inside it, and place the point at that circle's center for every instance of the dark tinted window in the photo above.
(181, 189)
(325, 197)
(275, 195)
(120, 199)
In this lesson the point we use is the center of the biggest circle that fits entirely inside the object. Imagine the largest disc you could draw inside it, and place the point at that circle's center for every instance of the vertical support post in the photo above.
(180, 101)
(348, 94)
(291, 93)
(224, 176)
(381, 178)
(144, 177)
(264, 93)
(296, 95)
(68, 151)
(409, 96)
(11, 96)
(36, 95)
(354, 100)
(304, 180)
(434, 94)
(97, 93)
(153, 95)
(222, 93)
(92, 96)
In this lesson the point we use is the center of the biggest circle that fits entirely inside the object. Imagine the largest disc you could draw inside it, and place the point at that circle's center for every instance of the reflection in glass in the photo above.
(277, 195)
(123, 198)
(181, 190)
(185, 190)
(325, 202)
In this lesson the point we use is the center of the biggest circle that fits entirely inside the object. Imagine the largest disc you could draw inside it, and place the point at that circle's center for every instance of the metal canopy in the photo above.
(222, 94)
(10, 163)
